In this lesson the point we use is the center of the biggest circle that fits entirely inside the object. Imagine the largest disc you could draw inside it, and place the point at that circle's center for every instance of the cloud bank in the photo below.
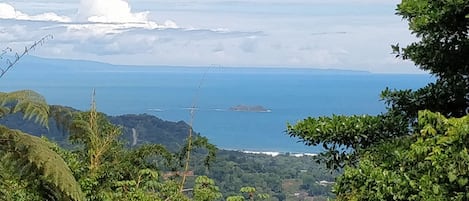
(300, 33)
(9, 12)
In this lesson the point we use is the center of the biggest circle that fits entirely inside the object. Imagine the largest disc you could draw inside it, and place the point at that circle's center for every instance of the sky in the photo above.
(335, 34)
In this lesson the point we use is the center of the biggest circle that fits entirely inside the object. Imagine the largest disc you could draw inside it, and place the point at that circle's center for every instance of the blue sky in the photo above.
(340, 34)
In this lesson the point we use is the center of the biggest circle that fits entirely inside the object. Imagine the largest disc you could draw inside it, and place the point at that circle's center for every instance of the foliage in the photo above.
(29, 103)
(205, 189)
(25, 149)
(432, 164)
(343, 137)
(30, 169)
(104, 167)
(407, 153)
(199, 143)
(150, 129)
(442, 27)
(95, 162)
(33, 156)
(106, 170)
(235, 198)
(97, 135)
(15, 180)
(233, 170)
(250, 194)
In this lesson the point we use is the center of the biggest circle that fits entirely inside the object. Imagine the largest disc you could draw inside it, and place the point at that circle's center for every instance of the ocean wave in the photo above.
(156, 110)
(189, 108)
(201, 109)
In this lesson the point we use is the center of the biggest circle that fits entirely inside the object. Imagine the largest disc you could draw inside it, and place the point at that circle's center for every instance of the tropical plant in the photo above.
(32, 155)
(205, 189)
(250, 194)
(40, 168)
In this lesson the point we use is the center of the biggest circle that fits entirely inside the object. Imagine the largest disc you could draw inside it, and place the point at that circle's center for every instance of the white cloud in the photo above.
(99, 18)
(50, 17)
(117, 11)
(303, 33)
(7, 11)
(109, 11)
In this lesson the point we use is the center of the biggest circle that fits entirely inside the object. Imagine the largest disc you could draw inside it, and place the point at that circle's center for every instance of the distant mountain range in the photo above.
(38, 64)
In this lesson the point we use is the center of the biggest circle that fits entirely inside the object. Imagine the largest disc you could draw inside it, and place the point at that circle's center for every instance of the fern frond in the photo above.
(28, 102)
(4, 111)
(63, 116)
(46, 162)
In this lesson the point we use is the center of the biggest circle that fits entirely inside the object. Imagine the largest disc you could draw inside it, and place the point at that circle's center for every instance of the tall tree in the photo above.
(443, 49)
(369, 144)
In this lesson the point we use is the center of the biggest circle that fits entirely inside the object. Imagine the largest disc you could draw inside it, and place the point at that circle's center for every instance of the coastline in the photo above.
(274, 153)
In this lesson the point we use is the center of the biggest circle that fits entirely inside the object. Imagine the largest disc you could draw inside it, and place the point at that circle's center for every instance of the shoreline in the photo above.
(273, 153)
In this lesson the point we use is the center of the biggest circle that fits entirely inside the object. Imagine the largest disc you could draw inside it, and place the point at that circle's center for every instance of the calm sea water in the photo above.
(168, 93)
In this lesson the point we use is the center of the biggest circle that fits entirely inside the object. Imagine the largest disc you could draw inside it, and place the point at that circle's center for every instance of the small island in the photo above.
(248, 108)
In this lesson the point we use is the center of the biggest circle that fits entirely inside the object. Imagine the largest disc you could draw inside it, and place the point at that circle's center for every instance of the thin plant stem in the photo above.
(18, 56)
(190, 135)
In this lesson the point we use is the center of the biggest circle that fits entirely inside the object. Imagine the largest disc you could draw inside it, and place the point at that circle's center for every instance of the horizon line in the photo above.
(309, 68)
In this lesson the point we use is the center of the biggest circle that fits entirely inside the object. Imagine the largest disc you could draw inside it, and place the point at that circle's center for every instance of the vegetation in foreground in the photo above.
(417, 150)
(282, 177)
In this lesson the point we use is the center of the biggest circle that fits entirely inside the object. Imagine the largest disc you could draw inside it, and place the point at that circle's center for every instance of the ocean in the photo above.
(170, 92)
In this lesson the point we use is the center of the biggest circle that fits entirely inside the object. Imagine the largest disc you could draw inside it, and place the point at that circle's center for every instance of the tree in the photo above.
(250, 195)
(106, 169)
(360, 143)
(442, 27)
(205, 189)
(432, 164)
